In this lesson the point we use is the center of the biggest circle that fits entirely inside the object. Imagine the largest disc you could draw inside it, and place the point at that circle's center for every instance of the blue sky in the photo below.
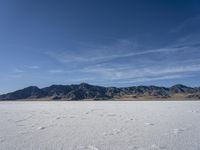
(103, 42)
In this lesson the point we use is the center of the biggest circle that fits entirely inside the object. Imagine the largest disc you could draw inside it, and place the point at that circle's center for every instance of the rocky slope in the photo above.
(87, 91)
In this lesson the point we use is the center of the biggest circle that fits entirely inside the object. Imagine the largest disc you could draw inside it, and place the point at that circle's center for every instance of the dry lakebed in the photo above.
(100, 125)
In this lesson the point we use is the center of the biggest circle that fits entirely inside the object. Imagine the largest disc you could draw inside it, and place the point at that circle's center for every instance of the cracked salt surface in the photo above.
(100, 125)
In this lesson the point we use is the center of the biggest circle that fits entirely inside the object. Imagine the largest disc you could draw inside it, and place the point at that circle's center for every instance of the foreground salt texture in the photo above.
(106, 125)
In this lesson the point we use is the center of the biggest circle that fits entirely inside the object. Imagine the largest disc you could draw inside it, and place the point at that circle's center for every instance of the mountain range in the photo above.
(92, 92)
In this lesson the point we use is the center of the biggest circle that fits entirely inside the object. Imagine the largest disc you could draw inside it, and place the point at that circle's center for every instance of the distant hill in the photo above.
(86, 91)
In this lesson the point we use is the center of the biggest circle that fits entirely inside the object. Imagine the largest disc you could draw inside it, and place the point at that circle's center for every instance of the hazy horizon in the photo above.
(107, 43)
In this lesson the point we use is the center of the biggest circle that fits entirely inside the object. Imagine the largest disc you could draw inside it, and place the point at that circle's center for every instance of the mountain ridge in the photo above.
(87, 91)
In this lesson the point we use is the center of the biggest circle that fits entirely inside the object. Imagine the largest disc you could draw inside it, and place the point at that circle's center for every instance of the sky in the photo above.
(102, 42)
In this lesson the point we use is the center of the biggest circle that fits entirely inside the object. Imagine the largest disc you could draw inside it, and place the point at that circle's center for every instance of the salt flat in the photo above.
(100, 125)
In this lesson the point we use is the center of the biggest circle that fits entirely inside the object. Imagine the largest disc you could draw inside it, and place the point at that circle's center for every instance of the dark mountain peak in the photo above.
(179, 88)
(31, 88)
(87, 91)
(85, 85)
(54, 90)
(54, 86)
(29, 92)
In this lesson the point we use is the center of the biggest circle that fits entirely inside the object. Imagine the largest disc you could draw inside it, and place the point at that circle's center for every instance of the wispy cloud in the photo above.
(113, 53)
(56, 71)
(165, 77)
(16, 70)
(124, 62)
(127, 73)
(34, 67)
(15, 76)
(145, 79)
(188, 23)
